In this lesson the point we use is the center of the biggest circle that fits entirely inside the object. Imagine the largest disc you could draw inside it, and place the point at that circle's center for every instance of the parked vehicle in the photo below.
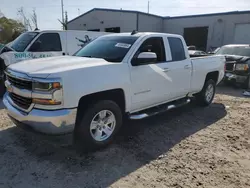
(213, 50)
(136, 75)
(197, 53)
(1, 46)
(40, 44)
(191, 47)
(237, 64)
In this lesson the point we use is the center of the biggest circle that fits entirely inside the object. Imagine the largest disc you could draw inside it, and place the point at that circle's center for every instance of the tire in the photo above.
(246, 85)
(86, 137)
(202, 97)
(2, 87)
(2, 78)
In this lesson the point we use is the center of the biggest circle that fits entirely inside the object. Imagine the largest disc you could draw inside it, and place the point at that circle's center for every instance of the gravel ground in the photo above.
(187, 147)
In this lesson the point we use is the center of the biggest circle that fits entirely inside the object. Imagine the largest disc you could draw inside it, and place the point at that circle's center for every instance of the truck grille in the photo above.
(22, 102)
(19, 83)
(229, 66)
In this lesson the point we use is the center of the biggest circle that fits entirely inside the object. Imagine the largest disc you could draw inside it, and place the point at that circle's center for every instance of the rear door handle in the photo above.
(165, 69)
(187, 67)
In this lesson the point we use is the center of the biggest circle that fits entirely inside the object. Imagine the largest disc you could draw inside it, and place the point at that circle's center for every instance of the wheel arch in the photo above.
(116, 95)
(213, 76)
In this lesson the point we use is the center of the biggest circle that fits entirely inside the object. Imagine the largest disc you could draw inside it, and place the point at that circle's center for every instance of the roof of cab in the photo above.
(139, 34)
(39, 31)
(239, 45)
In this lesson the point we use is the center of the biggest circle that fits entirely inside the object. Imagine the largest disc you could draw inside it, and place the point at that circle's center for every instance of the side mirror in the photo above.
(145, 58)
(35, 47)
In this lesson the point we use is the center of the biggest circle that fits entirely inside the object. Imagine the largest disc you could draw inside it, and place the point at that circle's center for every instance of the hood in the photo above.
(43, 67)
(236, 58)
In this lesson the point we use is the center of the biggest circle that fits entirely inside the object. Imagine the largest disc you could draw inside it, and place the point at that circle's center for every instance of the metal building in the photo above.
(111, 20)
(206, 31)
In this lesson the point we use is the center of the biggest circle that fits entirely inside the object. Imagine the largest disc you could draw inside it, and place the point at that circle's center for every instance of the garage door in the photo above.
(242, 34)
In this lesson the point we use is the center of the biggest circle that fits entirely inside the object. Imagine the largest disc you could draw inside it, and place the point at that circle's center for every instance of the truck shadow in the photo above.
(138, 143)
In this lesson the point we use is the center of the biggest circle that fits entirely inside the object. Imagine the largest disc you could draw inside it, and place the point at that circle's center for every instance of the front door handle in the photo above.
(165, 69)
(187, 67)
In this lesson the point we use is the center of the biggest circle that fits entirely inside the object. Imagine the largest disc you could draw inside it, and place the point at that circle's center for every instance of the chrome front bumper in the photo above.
(235, 77)
(45, 121)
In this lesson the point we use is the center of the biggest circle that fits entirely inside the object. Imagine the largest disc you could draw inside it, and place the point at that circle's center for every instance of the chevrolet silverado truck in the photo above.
(134, 75)
(237, 64)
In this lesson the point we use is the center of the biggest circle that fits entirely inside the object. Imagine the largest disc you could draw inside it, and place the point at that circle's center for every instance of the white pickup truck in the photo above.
(135, 75)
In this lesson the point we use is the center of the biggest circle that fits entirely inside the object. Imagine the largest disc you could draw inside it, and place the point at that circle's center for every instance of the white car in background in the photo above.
(196, 53)
(41, 44)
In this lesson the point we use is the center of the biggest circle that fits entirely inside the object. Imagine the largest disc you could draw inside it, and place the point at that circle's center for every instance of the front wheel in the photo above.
(99, 124)
(2, 86)
(206, 96)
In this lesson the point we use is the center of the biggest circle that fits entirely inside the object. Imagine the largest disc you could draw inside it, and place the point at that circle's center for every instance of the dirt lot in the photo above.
(187, 147)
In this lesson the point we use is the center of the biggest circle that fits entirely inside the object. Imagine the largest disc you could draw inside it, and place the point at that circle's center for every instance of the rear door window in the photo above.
(47, 42)
(177, 49)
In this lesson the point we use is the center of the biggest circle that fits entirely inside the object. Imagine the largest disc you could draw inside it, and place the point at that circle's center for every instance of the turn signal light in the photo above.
(46, 102)
(246, 67)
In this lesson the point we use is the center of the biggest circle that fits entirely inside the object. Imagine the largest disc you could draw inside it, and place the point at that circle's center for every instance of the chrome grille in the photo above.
(22, 102)
(229, 66)
(19, 83)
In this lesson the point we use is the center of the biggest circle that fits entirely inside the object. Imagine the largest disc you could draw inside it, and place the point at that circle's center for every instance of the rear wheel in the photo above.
(206, 96)
(98, 126)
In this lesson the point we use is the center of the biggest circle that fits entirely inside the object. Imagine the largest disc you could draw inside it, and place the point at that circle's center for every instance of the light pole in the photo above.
(62, 11)
(148, 7)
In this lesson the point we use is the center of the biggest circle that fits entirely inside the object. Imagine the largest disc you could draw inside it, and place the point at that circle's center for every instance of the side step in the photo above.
(159, 109)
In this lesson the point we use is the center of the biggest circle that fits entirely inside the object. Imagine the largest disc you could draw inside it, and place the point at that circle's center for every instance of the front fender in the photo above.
(11, 58)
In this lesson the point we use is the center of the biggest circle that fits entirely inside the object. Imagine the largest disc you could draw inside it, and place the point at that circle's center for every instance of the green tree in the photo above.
(10, 29)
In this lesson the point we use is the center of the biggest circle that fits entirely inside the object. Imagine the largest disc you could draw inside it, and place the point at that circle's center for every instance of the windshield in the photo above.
(234, 50)
(20, 43)
(110, 48)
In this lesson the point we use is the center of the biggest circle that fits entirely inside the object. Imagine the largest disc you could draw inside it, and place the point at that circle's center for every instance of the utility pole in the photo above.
(78, 12)
(62, 11)
(148, 7)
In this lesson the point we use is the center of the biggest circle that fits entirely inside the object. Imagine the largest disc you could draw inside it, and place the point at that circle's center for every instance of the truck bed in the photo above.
(202, 65)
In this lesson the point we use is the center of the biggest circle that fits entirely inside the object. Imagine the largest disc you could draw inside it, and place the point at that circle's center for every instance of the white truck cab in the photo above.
(137, 75)
(41, 44)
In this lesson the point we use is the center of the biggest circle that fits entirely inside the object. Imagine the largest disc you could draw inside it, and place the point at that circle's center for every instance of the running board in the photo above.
(159, 109)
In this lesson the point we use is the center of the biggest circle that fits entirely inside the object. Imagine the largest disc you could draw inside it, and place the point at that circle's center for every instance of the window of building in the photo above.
(177, 49)
(94, 30)
(113, 29)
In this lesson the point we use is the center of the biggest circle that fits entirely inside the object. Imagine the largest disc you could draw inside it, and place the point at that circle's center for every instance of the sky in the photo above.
(49, 11)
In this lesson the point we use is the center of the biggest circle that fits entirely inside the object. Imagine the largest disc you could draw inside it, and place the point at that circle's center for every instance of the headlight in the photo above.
(47, 93)
(43, 86)
(241, 67)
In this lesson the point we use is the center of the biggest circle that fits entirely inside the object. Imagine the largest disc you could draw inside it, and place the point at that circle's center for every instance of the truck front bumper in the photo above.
(45, 121)
(235, 78)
